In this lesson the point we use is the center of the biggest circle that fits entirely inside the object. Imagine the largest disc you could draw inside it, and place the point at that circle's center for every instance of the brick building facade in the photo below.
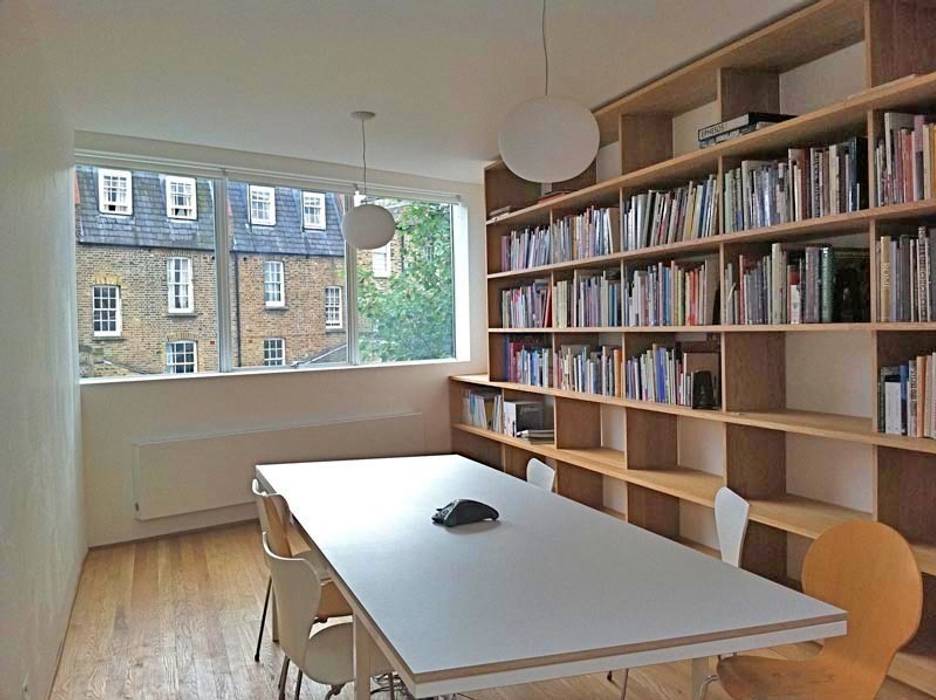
(132, 245)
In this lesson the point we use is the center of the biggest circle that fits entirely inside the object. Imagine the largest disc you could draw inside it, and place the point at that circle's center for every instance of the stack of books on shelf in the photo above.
(907, 398)
(685, 375)
(590, 298)
(594, 232)
(528, 247)
(815, 284)
(906, 287)
(732, 128)
(483, 408)
(589, 370)
(904, 158)
(660, 217)
(811, 182)
(526, 306)
(527, 362)
(526, 419)
(673, 294)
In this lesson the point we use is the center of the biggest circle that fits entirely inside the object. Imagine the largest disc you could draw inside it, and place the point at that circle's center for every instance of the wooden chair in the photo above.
(869, 570)
(540, 474)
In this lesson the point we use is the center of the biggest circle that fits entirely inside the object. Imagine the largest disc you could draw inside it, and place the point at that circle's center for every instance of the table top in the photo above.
(552, 582)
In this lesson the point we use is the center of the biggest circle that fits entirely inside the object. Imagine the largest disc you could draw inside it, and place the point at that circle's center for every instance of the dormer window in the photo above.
(115, 192)
(180, 198)
(313, 210)
(262, 206)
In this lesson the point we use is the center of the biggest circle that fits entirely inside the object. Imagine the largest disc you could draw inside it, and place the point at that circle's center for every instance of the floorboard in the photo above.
(177, 618)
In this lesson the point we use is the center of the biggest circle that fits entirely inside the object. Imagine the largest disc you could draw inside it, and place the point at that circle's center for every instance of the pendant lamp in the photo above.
(367, 226)
(548, 139)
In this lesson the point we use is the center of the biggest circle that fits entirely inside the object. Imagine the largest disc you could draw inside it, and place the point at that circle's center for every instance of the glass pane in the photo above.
(406, 295)
(131, 254)
(279, 276)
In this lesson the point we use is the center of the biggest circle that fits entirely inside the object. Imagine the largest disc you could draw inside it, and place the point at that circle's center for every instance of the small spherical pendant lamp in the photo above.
(367, 226)
(548, 139)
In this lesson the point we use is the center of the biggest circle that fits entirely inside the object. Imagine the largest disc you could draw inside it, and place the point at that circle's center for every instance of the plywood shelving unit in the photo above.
(754, 419)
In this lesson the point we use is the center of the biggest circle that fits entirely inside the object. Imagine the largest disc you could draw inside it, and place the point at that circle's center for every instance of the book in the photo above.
(906, 401)
(665, 374)
(904, 159)
(527, 306)
(906, 278)
(672, 294)
(659, 217)
(590, 298)
(591, 370)
(712, 130)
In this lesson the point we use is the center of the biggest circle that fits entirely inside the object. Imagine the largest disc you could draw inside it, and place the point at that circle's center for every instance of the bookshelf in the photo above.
(755, 419)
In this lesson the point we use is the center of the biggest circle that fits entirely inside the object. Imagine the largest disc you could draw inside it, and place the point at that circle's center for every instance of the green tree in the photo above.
(410, 315)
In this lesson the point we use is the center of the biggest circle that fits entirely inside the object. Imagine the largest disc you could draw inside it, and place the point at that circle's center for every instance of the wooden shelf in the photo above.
(802, 516)
(753, 328)
(926, 558)
(685, 484)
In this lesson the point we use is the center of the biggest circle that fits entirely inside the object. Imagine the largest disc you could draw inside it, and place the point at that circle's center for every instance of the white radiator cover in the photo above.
(178, 475)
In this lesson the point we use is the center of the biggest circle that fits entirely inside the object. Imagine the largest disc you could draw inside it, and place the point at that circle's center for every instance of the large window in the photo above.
(179, 285)
(105, 311)
(151, 300)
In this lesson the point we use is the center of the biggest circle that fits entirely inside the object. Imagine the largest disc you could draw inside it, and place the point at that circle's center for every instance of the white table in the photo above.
(553, 589)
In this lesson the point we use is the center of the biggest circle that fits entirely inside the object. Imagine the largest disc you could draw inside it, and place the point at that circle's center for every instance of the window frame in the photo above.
(118, 312)
(127, 175)
(169, 366)
(384, 270)
(339, 324)
(313, 226)
(265, 189)
(281, 354)
(281, 283)
(181, 180)
(171, 309)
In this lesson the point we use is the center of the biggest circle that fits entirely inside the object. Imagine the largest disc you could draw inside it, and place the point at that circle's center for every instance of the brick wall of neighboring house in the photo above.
(147, 325)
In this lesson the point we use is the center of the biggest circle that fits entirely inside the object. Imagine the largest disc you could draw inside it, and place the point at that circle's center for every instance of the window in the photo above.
(181, 357)
(179, 285)
(333, 315)
(262, 206)
(313, 210)
(105, 310)
(180, 197)
(115, 192)
(274, 283)
(274, 352)
(380, 261)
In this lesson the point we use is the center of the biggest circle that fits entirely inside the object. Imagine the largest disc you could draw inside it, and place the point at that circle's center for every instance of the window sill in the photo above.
(264, 371)
(108, 337)
(276, 307)
(181, 314)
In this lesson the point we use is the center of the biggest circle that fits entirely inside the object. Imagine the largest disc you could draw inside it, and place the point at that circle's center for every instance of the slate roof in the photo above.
(148, 225)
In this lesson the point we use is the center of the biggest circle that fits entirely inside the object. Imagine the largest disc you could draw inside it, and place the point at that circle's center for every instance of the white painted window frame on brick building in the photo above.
(106, 313)
(179, 277)
(176, 366)
(274, 284)
(334, 307)
(181, 197)
(261, 195)
(380, 261)
(113, 197)
(313, 211)
(274, 352)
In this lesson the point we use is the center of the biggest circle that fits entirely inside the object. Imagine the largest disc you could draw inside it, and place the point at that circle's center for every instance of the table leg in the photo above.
(364, 656)
(700, 671)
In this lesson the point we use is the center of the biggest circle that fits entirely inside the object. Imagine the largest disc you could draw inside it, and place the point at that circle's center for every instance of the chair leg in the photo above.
(624, 684)
(333, 691)
(266, 604)
(282, 680)
(275, 616)
(298, 683)
(703, 688)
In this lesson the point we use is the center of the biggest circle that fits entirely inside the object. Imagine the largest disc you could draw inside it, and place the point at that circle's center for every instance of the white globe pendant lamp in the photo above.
(548, 139)
(367, 226)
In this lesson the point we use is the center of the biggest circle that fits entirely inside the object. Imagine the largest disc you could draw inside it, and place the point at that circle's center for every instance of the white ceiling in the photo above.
(281, 76)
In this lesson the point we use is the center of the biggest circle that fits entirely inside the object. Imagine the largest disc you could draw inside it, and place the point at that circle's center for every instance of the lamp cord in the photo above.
(364, 156)
(545, 52)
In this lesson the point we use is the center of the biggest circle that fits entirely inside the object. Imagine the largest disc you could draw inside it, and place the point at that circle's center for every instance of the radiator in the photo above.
(177, 475)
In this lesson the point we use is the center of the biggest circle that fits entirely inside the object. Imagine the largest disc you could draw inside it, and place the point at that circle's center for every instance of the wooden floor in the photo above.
(177, 618)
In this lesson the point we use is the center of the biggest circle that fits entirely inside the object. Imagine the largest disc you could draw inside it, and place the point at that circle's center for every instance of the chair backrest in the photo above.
(275, 507)
(259, 494)
(731, 522)
(298, 592)
(869, 570)
(540, 474)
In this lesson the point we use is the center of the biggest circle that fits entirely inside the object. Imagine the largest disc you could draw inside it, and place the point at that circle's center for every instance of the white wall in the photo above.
(117, 416)
(42, 542)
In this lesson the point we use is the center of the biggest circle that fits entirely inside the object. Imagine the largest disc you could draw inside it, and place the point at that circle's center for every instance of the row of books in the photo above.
(904, 158)
(527, 306)
(684, 376)
(672, 294)
(483, 408)
(906, 286)
(810, 182)
(815, 284)
(594, 232)
(590, 298)
(591, 370)
(659, 217)
(528, 362)
(907, 398)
